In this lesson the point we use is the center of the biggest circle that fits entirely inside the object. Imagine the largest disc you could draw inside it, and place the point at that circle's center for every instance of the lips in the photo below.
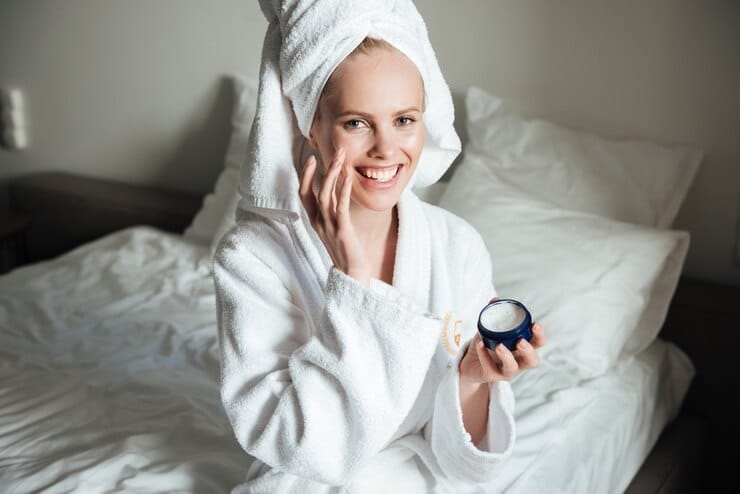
(379, 174)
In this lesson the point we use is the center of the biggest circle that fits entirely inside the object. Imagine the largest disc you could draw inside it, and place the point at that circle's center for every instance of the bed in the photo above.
(109, 355)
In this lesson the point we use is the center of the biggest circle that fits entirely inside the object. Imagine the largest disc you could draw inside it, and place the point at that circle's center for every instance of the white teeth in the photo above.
(382, 175)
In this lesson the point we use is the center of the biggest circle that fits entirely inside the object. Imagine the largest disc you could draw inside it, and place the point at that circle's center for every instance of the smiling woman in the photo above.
(347, 318)
(372, 115)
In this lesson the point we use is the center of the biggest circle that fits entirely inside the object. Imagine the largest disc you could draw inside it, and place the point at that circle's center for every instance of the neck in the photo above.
(373, 227)
(378, 232)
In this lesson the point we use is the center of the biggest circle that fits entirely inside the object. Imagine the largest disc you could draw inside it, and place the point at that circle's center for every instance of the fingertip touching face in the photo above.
(372, 107)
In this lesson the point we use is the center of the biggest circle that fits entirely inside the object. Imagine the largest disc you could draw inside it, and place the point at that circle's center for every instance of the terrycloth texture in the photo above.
(333, 386)
(305, 41)
(338, 387)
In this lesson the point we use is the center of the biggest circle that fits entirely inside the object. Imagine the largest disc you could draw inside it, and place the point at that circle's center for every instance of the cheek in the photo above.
(341, 138)
(413, 144)
(327, 144)
(355, 145)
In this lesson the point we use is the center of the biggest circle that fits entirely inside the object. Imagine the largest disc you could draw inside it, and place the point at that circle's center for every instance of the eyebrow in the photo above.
(367, 115)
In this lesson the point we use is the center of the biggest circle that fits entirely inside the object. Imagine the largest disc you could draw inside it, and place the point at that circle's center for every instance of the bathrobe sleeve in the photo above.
(315, 396)
(458, 458)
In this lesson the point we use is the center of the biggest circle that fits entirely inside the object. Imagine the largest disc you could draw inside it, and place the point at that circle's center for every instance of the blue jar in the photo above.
(504, 321)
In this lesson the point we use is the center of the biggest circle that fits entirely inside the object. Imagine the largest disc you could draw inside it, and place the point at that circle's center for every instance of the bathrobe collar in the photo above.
(411, 272)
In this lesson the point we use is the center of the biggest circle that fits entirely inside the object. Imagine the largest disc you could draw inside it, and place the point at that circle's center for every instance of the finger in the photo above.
(339, 162)
(346, 178)
(306, 187)
(489, 368)
(330, 181)
(343, 207)
(337, 191)
(509, 366)
(496, 365)
(493, 300)
(538, 335)
(337, 195)
(525, 355)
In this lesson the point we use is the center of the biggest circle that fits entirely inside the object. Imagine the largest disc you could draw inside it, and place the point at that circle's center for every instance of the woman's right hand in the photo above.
(329, 215)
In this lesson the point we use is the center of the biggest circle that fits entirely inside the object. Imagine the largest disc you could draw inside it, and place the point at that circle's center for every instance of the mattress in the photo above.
(109, 382)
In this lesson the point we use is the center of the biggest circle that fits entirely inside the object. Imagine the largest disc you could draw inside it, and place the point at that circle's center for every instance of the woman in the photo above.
(350, 359)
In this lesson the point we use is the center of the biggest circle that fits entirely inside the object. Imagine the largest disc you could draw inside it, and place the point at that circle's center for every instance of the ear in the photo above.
(314, 129)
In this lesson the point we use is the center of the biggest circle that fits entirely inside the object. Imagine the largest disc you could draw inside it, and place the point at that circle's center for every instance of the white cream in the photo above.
(502, 317)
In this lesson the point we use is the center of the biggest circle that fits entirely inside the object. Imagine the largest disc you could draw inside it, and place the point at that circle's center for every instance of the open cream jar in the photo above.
(504, 321)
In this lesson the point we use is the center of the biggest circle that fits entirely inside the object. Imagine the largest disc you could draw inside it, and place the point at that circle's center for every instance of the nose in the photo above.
(384, 143)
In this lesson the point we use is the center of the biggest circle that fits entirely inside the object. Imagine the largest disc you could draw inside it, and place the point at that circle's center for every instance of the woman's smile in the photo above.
(379, 176)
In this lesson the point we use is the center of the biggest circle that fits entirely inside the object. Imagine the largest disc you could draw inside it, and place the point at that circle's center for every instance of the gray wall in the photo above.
(134, 90)
(127, 89)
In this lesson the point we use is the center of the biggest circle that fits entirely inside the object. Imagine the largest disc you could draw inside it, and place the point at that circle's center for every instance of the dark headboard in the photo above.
(68, 210)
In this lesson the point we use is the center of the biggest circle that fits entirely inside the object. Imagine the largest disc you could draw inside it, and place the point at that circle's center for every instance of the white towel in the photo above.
(305, 41)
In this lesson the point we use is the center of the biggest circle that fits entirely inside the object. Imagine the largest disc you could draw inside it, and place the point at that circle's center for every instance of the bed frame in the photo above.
(694, 453)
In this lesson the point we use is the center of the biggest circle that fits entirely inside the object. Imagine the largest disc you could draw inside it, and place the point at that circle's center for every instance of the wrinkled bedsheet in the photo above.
(109, 383)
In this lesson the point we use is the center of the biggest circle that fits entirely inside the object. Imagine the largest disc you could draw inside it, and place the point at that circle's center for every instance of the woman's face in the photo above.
(374, 111)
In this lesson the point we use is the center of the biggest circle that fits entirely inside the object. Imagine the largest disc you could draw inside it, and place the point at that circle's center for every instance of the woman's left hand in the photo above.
(481, 365)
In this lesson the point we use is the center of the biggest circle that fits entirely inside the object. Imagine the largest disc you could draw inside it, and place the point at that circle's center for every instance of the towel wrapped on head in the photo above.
(306, 40)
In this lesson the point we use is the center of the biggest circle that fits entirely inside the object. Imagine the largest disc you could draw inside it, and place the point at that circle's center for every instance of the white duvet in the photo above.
(109, 383)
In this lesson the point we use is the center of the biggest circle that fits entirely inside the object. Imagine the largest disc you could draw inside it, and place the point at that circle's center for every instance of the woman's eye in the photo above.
(353, 124)
(405, 120)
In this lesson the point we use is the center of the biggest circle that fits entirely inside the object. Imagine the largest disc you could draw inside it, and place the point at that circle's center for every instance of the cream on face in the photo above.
(502, 317)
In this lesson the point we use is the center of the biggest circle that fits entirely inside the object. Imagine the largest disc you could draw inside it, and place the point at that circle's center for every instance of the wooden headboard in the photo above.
(68, 210)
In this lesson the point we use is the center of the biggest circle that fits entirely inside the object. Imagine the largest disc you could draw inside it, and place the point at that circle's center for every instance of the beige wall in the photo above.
(133, 90)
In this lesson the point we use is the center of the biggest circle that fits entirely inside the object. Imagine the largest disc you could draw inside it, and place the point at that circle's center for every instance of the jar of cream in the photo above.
(504, 321)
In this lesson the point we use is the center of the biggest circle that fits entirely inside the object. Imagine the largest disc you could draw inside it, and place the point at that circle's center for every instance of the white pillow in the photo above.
(633, 181)
(600, 287)
(219, 206)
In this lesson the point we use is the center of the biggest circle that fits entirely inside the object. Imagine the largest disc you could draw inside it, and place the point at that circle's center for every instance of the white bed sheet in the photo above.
(109, 383)
(592, 436)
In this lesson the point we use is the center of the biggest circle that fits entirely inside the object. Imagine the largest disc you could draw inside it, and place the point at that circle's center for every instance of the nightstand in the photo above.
(13, 240)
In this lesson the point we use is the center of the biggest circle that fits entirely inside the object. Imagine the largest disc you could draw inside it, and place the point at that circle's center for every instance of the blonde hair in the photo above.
(369, 44)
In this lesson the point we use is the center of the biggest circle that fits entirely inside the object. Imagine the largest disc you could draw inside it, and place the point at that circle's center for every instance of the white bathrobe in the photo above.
(337, 387)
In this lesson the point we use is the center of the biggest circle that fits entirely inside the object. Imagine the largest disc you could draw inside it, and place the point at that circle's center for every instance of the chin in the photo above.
(378, 201)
